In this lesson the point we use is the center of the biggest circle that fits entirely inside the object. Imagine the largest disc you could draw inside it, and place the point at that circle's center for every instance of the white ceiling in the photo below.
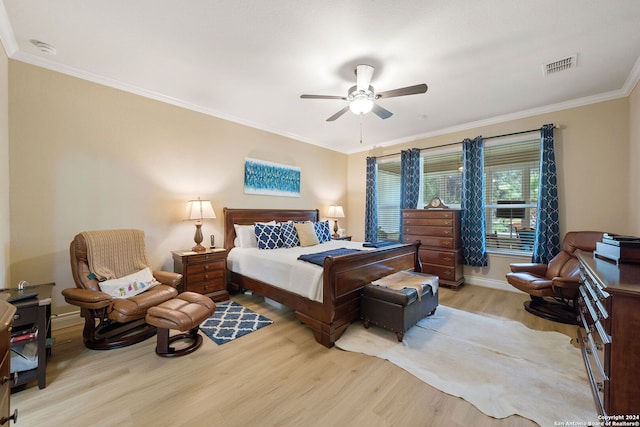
(250, 60)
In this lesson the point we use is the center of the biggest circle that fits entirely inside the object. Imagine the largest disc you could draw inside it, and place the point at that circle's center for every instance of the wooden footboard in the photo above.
(343, 277)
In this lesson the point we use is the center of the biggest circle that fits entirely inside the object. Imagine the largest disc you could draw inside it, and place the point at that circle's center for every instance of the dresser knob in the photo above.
(206, 267)
(447, 259)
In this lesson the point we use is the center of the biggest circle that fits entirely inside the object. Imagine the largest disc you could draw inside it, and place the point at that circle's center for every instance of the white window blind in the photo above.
(511, 188)
(389, 199)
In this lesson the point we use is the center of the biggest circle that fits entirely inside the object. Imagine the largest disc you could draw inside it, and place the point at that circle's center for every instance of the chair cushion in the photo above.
(531, 284)
(135, 307)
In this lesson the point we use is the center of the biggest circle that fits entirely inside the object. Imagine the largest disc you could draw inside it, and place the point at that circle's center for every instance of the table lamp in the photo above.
(198, 210)
(335, 211)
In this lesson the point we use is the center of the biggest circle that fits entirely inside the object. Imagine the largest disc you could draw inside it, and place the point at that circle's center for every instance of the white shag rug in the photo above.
(499, 366)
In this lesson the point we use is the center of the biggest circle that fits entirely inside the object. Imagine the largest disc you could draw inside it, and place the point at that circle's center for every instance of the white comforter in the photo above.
(281, 267)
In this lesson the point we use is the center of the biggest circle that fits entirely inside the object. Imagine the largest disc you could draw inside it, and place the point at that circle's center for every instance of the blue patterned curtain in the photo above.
(409, 180)
(472, 215)
(547, 243)
(371, 203)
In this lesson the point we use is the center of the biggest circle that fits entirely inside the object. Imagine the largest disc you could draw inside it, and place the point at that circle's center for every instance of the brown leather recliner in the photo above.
(553, 287)
(114, 322)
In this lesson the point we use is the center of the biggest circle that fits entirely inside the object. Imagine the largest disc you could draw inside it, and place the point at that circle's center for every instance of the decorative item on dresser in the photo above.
(438, 231)
(203, 272)
(7, 311)
(609, 310)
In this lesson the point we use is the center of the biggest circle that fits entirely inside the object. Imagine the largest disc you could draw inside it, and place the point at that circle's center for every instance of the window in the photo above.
(511, 167)
(511, 190)
(389, 199)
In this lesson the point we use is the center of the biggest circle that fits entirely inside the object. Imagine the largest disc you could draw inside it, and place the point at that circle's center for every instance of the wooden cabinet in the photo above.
(7, 312)
(203, 272)
(609, 311)
(438, 231)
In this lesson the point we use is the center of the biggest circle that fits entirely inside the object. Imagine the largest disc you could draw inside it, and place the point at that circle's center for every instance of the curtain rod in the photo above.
(460, 142)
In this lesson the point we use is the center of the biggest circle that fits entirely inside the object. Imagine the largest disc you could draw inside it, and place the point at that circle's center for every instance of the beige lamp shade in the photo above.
(335, 211)
(198, 210)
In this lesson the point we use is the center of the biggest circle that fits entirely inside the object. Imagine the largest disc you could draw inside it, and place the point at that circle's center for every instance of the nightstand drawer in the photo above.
(196, 269)
(206, 287)
(206, 276)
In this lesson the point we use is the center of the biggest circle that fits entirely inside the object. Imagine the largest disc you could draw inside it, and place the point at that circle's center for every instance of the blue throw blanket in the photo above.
(380, 244)
(318, 258)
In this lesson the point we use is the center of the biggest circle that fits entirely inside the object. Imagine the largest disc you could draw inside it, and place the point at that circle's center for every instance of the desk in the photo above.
(34, 312)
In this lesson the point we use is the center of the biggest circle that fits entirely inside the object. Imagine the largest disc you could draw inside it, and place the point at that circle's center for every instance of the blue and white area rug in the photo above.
(232, 320)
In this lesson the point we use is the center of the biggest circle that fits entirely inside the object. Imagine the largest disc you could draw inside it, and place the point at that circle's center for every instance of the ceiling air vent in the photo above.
(558, 65)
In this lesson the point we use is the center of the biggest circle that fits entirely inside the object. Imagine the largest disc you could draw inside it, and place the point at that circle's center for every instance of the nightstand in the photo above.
(341, 238)
(203, 272)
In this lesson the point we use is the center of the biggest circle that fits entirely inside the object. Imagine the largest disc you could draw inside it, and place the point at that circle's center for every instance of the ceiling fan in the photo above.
(361, 97)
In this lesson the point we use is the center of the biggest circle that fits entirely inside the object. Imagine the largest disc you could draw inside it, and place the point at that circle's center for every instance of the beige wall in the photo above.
(85, 156)
(634, 161)
(4, 169)
(592, 150)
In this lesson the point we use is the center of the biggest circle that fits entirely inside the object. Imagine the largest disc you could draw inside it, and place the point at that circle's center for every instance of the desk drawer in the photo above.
(25, 316)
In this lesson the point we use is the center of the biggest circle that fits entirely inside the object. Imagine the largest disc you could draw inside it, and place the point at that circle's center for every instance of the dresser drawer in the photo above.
(433, 214)
(437, 242)
(203, 258)
(406, 222)
(427, 230)
(438, 257)
(443, 272)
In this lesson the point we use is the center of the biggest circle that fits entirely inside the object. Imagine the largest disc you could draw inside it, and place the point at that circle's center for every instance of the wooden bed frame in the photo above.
(343, 277)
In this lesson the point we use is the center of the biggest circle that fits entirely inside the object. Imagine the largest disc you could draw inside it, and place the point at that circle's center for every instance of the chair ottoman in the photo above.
(185, 312)
(397, 310)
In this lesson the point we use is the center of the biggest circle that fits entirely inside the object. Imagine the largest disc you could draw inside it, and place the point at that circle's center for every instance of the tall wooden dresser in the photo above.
(609, 310)
(438, 231)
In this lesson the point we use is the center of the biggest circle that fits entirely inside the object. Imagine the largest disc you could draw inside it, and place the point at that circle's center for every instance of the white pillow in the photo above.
(130, 285)
(246, 235)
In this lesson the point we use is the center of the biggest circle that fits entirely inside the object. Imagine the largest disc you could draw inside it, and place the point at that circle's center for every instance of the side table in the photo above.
(203, 272)
(32, 314)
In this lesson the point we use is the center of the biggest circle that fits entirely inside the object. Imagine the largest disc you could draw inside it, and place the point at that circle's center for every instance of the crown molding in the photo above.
(552, 108)
(6, 33)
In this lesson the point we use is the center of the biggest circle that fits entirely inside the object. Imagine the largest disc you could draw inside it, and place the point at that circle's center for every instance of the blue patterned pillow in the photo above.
(289, 235)
(268, 236)
(322, 231)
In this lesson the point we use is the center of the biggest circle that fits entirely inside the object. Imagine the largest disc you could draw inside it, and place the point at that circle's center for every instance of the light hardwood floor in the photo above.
(276, 376)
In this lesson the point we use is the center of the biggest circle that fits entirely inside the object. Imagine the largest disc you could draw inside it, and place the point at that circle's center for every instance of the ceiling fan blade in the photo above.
(338, 114)
(344, 98)
(409, 90)
(381, 112)
(364, 73)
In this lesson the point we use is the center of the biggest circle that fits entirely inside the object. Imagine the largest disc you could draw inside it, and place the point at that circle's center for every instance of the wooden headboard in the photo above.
(250, 216)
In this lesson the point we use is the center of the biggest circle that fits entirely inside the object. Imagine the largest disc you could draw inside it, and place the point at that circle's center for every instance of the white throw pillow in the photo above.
(245, 236)
(130, 285)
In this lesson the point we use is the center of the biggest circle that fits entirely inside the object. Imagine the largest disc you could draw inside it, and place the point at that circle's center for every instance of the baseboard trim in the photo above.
(65, 320)
(490, 283)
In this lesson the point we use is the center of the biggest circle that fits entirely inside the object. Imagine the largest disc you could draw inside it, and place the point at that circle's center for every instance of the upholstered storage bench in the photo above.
(397, 310)
(185, 312)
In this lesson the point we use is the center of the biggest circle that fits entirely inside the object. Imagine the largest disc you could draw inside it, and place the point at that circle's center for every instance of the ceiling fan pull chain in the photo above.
(361, 128)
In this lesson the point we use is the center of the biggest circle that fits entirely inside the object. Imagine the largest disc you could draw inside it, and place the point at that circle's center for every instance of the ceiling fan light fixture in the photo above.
(361, 105)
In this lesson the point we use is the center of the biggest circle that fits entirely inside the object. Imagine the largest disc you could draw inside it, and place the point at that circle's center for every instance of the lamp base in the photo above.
(197, 238)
